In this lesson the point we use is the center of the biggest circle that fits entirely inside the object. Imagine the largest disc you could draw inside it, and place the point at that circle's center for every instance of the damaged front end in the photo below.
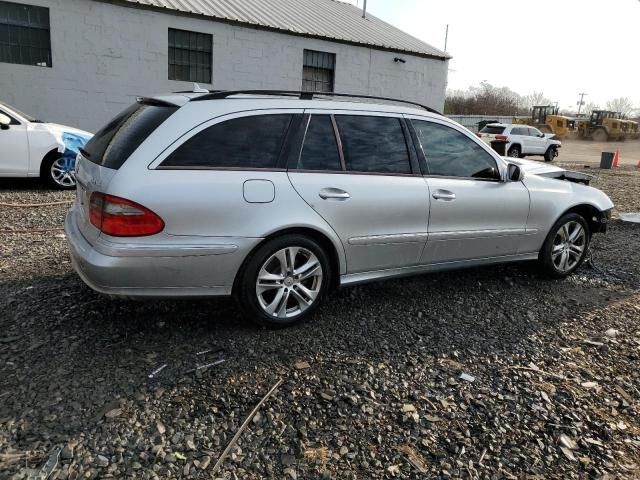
(569, 176)
(550, 171)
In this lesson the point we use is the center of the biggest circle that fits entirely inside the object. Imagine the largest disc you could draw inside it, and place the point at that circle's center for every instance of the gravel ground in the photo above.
(371, 387)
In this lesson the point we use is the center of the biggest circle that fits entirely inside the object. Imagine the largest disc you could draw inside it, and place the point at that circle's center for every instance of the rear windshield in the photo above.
(493, 129)
(117, 140)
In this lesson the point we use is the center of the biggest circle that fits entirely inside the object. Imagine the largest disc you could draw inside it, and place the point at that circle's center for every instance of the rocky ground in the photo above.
(487, 373)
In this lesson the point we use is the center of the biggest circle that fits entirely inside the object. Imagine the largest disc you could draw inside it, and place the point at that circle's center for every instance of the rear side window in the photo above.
(451, 153)
(320, 150)
(494, 130)
(519, 131)
(373, 144)
(245, 142)
(117, 140)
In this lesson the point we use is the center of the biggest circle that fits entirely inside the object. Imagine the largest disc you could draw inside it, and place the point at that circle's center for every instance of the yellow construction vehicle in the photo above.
(546, 119)
(630, 129)
(601, 126)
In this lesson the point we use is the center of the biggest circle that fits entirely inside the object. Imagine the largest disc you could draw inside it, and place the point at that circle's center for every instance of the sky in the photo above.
(559, 47)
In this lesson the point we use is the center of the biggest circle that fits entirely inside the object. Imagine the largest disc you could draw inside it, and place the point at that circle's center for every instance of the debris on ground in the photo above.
(71, 372)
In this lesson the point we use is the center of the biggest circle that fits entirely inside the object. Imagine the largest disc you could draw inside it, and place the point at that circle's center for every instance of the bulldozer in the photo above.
(630, 129)
(546, 119)
(601, 126)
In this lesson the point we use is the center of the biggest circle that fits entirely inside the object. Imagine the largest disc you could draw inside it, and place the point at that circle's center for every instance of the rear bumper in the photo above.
(156, 271)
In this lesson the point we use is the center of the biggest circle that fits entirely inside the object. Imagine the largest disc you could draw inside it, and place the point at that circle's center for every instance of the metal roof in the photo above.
(327, 19)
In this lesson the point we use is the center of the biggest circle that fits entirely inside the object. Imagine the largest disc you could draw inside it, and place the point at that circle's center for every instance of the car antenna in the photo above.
(198, 89)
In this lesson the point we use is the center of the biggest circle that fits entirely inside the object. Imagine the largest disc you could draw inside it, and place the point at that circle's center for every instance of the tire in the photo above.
(550, 154)
(514, 152)
(58, 172)
(266, 306)
(600, 135)
(558, 257)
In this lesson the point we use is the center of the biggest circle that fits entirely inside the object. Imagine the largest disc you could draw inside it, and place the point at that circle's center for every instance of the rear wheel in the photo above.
(514, 152)
(284, 281)
(550, 154)
(566, 245)
(59, 172)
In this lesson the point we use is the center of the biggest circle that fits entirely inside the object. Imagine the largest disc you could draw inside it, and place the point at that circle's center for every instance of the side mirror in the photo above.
(4, 122)
(514, 173)
(541, 135)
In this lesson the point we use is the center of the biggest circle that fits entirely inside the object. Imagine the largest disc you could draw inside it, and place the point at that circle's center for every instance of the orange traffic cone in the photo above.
(616, 159)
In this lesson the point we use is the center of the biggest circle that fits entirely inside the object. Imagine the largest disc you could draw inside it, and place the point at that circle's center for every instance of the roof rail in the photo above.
(303, 96)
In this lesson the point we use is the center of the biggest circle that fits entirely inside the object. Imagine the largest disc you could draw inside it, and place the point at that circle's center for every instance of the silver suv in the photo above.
(279, 199)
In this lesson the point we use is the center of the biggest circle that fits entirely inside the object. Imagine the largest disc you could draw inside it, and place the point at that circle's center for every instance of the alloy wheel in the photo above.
(63, 172)
(289, 282)
(568, 246)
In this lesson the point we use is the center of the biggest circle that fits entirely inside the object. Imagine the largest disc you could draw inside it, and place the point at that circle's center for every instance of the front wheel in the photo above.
(59, 172)
(566, 245)
(284, 281)
(550, 154)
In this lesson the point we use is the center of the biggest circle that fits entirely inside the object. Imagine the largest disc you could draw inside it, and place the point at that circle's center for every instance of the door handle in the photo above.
(334, 194)
(445, 195)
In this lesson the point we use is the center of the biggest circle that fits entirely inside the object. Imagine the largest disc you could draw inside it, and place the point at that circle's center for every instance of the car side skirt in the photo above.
(365, 277)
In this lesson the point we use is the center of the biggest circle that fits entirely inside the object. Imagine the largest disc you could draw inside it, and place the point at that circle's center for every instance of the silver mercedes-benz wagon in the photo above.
(278, 199)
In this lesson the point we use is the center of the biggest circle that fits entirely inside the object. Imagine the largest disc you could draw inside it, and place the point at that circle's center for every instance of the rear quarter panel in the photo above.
(210, 203)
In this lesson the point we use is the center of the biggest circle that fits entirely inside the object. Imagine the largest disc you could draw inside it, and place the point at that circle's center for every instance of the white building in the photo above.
(79, 62)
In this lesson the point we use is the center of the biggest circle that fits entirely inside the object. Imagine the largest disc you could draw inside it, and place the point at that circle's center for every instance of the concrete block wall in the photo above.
(104, 55)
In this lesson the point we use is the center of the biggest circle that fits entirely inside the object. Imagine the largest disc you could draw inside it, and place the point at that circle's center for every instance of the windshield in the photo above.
(493, 129)
(28, 118)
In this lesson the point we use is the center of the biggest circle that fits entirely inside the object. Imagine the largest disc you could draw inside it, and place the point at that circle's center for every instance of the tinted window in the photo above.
(245, 142)
(451, 153)
(373, 144)
(320, 150)
(117, 140)
(519, 131)
(493, 130)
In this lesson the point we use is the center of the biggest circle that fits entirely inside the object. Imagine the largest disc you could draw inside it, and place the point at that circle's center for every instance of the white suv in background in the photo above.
(522, 140)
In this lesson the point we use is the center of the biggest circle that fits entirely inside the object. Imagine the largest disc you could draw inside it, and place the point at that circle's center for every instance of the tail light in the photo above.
(501, 137)
(120, 217)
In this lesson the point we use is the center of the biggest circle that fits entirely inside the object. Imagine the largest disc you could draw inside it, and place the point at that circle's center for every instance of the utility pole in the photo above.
(446, 38)
(581, 101)
(364, 9)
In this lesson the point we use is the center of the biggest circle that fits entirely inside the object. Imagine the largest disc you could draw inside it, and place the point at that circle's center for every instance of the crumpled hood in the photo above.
(58, 129)
(69, 139)
(531, 167)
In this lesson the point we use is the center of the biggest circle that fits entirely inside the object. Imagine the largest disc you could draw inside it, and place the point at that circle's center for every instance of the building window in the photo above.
(24, 34)
(190, 56)
(317, 71)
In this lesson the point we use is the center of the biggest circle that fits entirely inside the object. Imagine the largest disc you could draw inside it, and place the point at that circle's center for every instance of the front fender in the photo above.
(551, 198)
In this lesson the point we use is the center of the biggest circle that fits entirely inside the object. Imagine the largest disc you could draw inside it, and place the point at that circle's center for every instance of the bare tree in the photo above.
(484, 99)
(535, 98)
(623, 105)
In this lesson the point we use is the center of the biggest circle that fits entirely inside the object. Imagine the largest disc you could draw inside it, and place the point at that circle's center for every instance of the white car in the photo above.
(522, 140)
(32, 148)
